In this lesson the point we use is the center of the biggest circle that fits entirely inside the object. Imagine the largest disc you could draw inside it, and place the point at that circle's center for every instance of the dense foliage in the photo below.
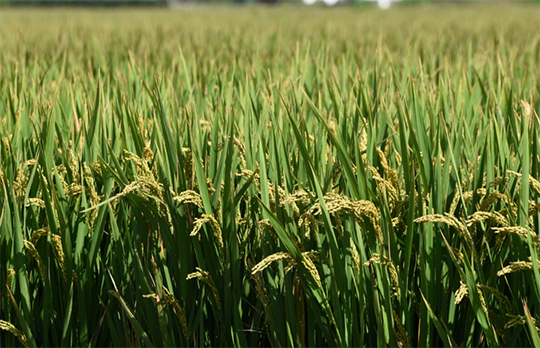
(270, 176)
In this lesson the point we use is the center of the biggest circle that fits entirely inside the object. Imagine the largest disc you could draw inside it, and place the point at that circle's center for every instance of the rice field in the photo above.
(270, 176)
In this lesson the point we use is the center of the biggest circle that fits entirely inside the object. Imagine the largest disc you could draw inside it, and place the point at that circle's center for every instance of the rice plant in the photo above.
(270, 177)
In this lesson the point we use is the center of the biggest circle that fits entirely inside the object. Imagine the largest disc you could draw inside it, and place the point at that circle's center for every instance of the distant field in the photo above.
(270, 176)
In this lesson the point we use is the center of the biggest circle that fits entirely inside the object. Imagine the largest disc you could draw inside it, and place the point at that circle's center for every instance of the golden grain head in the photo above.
(267, 261)
(191, 197)
(520, 231)
(310, 266)
(310, 224)
(302, 196)
(205, 277)
(461, 292)
(37, 234)
(57, 242)
(177, 309)
(502, 298)
(20, 183)
(215, 227)
(9, 278)
(516, 266)
(401, 333)
(355, 256)
(7, 326)
(493, 197)
(34, 253)
(515, 320)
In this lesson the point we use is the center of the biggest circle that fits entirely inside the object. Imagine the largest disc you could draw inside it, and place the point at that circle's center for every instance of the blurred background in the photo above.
(179, 3)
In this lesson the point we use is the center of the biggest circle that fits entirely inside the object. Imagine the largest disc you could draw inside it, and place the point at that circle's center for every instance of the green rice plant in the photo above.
(270, 177)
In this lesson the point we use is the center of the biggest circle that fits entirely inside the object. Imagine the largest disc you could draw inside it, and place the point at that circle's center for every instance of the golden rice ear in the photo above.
(267, 261)
(480, 216)
(502, 298)
(534, 184)
(190, 196)
(302, 196)
(38, 202)
(7, 326)
(520, 320)
(57, 242)
(177, 309)
(241, 151)
(493, 197)
(385, 187)
(401, 333)
(516, 266)
(338, 225)
(37, 234)
(94, 197)
(205, 277)
(290, 266)
(363, 144)
(451, 220)
(310, 224)
(34, 253)
(358, 209)
(385, 261)
(457, 199)
(215, 227)
(390, 173)
(461, 292)
(9, 278)
(20, 184)
(355, 257)
(310, 266)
